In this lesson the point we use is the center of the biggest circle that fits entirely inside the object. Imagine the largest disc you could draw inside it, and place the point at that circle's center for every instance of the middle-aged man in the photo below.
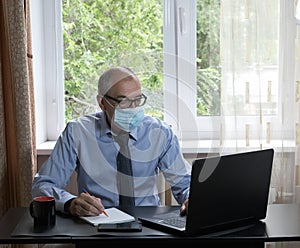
(89, 145)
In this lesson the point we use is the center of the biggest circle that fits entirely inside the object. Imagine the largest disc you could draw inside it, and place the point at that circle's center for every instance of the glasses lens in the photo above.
(137, 102)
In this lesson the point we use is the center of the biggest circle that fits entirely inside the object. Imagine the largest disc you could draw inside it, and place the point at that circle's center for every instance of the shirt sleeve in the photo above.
(176, 170)
(54, 175)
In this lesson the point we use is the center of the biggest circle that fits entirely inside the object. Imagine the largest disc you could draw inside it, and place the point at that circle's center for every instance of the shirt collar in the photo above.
(103, 125)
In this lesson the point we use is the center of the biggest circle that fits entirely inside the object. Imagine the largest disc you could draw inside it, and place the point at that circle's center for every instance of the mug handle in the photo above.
(31, 209)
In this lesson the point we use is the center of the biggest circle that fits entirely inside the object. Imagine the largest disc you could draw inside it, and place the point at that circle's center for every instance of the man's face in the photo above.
(129, 88)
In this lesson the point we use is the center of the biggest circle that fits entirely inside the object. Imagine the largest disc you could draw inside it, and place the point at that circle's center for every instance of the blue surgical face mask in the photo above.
(129, 118)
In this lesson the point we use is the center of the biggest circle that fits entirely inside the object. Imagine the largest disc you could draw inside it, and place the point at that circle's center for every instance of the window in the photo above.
(242, 78)
(184, 71)
(48, 68)
(104, 33)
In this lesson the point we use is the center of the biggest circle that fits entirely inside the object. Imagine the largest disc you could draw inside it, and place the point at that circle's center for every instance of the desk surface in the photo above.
(281, 224)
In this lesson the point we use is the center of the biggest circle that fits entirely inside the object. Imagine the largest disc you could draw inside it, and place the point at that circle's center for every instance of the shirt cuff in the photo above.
(67, 205)
(60, 204)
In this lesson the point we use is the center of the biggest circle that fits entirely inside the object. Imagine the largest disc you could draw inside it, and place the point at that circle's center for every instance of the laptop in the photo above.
(228, 193)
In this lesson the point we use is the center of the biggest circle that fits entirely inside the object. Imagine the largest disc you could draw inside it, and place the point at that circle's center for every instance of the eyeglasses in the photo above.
(125, 102)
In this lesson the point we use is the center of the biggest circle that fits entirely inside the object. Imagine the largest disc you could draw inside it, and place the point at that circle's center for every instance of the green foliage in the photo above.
(99, 34)
(208, 57)
(208, 91)
(102, 33)
(208, 33)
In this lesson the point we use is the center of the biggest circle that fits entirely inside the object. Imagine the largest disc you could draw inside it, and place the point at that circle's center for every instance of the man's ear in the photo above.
(100, 102)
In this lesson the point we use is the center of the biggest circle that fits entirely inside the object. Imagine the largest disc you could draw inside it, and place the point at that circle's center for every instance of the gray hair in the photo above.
(112, 76)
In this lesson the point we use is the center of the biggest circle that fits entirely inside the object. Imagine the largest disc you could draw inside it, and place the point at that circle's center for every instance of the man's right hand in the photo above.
(86, 205)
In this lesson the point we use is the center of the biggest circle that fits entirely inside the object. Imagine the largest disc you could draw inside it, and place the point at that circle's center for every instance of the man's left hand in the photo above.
(184, 207)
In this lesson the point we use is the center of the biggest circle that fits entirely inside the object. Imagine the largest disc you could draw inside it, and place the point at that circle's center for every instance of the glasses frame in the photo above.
(132, 101)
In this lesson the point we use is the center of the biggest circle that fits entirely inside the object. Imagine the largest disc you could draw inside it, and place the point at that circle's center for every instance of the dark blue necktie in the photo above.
(124, 174)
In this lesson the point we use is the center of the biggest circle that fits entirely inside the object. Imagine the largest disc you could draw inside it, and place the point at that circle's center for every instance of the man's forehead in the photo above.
(115, 76)
(121, 75)
(126, 87)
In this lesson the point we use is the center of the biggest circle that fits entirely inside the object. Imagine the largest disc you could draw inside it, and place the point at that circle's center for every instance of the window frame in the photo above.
(179, 73)
(47, 47)
(180, 87)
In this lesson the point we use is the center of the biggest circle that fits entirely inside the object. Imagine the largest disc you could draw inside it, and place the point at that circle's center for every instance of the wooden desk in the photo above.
(281, 224)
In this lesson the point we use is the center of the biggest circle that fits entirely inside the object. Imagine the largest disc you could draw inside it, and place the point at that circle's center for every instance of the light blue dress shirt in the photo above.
(87, 147)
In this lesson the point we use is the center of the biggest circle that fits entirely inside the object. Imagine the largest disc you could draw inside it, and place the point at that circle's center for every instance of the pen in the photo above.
(85, 191)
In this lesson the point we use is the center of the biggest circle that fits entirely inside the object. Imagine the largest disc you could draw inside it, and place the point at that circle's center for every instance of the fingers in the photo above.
(86, 205)
(184, 208)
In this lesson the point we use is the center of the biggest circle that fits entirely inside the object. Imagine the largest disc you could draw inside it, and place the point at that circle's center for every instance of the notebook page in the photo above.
(114, 216)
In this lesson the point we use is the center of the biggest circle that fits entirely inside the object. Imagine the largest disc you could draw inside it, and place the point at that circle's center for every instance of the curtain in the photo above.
(260, 60)
(17, 120)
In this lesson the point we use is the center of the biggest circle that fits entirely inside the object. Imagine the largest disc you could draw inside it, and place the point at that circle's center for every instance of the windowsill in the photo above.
(45, 148)
(204, 146)
(229, 146)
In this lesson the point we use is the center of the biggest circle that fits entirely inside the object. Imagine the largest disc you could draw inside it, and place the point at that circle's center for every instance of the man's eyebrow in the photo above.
(123, 96)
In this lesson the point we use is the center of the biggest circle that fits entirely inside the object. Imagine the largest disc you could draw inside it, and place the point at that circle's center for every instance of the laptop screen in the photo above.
(229, 189)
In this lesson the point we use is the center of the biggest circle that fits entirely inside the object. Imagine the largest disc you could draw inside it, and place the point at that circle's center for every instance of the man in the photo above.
(89, 146)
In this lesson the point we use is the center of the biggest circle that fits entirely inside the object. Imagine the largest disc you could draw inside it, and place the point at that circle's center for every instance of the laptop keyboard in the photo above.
(175, 221)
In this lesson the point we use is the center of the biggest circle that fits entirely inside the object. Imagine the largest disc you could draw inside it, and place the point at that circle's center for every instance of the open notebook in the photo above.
(115, 216)
(227, 193)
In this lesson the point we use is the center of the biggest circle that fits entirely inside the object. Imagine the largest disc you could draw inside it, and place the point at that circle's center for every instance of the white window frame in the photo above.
(47, 49)
(179, 71)
(180, 81)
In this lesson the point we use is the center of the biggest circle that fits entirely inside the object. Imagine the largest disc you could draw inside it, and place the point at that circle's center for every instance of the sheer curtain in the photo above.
(260, 60)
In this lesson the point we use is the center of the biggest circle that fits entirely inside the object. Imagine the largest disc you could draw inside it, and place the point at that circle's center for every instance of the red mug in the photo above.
(42, 209)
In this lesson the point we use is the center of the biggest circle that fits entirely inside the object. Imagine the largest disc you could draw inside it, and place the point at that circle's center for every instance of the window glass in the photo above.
(208, 58)
(249, 57)
(102, 33)
(181, 50)
(250, 44)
